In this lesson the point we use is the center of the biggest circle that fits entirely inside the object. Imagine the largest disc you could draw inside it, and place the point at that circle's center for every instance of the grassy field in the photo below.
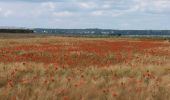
(70, 68)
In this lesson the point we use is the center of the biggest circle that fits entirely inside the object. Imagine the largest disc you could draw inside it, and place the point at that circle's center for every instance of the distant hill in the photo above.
(90, 31)
(102, 31)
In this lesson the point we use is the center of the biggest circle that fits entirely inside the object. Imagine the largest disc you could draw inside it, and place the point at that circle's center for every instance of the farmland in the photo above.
(70, 68)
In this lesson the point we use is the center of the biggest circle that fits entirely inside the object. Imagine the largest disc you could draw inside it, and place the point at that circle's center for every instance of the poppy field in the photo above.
(70, 68)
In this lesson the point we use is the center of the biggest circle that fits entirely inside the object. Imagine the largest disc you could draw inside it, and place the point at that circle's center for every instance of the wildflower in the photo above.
(52, 79)
(76, 85)
(65, 97)
(24, 63)
(69, 79)
(56, 66)
(114, 94)
(12, 73)
(14, 97)
(35, 77)
(106, 90)
(82, 76)
(138, 89)
(16, 70)
(10, 83)
(114, 77)
(63, 66)
(45, 81)
(122, 84)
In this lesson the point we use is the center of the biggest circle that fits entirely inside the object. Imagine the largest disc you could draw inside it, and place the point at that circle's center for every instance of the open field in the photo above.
(69, 68)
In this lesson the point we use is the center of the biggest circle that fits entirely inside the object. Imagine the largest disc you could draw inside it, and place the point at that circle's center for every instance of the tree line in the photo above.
(16, 31)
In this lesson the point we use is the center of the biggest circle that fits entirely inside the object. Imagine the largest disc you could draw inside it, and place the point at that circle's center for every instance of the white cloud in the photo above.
(161, 5)
(49, 5)
(8, 13)
(87, 5)
(97, 13)
(115, 14)
(63, 14)
(5, 13)
(125, 24)
(106, 6)
(152, 5)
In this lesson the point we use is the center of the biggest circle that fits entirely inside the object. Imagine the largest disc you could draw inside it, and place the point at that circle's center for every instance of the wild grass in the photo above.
(140, 76)
(36, 81)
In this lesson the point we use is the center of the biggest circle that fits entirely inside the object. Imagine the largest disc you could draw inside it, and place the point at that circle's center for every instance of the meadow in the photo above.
(71, 68)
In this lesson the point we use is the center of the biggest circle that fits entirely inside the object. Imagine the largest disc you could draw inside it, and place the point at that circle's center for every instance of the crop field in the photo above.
(69, 68)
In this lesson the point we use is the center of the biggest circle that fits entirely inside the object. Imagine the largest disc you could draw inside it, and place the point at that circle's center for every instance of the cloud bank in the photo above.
(115, 14)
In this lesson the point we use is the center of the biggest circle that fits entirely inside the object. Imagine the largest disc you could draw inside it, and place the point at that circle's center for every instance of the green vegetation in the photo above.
(16, 31)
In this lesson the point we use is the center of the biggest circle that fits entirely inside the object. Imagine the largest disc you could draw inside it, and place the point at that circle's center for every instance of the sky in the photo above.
(105, 14)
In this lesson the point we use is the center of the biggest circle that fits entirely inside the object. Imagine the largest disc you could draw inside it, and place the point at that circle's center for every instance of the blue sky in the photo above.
(110, 14)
